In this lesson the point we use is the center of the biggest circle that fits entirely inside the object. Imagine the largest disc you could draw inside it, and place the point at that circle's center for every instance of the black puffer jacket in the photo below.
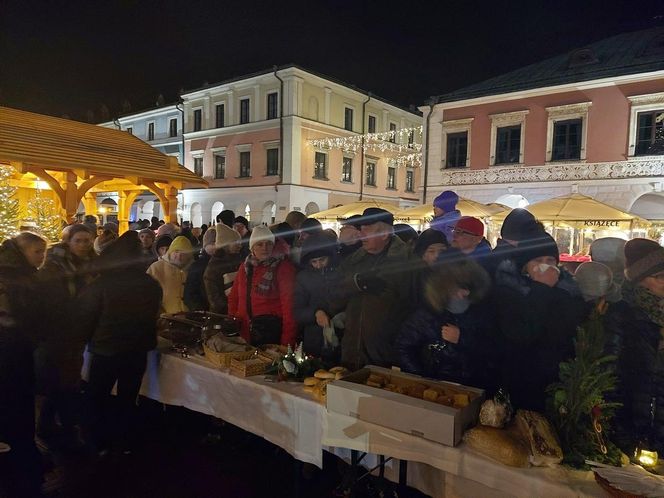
(218, 278)
(423, 352)
(195, 296)
(537, 325)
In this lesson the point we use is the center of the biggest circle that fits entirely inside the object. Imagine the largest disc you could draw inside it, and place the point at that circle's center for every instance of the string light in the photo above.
(44, 214)
(9, 208)
(388, 142)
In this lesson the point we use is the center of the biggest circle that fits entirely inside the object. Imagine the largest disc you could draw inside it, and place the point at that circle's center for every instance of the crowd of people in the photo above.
(442, 303)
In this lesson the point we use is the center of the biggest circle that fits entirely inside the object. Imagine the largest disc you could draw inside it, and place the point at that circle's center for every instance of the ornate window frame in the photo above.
(455, 126)
(563, 113)
(641, 103)
(507, 119)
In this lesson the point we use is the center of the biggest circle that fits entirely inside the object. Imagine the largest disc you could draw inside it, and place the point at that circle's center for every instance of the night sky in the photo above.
(70, 57)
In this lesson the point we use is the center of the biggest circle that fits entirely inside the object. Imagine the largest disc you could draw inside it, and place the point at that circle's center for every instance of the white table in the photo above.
(280, 412)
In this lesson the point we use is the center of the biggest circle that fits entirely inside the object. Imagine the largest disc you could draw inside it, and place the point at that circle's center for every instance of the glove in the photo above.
(369, 282)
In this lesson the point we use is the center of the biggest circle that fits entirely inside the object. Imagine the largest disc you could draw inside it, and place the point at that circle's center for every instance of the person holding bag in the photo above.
(262, 293)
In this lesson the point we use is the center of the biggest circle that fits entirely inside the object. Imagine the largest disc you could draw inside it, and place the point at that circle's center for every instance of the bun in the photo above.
(311, 381)
(503, 445)
(323, 374)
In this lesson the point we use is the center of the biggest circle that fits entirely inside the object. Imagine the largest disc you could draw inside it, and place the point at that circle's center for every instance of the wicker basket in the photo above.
(224, 359)
(616, 493)
(256, 365)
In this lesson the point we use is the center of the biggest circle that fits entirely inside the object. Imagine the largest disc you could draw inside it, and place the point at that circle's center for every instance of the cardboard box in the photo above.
(419, 417)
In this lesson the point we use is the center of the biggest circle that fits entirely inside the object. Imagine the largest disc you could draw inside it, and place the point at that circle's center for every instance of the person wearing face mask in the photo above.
(69, 267)
(311, 302)
(350, 237)
(171, 272)
(448, 336)
(538, 307)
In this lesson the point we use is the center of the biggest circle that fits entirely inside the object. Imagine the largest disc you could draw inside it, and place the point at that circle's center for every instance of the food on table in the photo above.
(323, 374)
(544, 447)
(416, 390)
(222, 344)
(338, 369)
(445, 400)
(506, 446)
(309, 389)
(461, 400)
(430, 394)
(311, 381)
(320, 391)
(493, 413)
(376, 380)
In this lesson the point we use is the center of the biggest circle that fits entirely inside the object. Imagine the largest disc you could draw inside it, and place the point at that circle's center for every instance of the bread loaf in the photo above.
(506, 446)
(544, 447)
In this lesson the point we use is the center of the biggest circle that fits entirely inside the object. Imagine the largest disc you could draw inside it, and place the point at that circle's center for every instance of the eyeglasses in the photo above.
(658, 276)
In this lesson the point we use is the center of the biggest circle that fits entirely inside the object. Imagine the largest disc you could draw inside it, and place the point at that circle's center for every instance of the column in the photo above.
(123, 212)
(328, 98)
(257, 103)
(230, 108)
(90, 203)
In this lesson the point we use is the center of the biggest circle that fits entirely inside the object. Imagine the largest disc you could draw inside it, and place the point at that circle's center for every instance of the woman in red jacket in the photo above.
(272, 283)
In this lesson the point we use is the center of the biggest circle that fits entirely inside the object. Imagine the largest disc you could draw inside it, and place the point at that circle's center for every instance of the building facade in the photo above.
(251, 139)
(590, 122)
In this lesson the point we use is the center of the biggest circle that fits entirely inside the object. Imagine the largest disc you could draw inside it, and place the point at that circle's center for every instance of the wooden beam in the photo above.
(88, 184)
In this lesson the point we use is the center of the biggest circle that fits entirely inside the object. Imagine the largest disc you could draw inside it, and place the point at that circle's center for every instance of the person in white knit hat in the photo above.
(222, 268)
(264, 288)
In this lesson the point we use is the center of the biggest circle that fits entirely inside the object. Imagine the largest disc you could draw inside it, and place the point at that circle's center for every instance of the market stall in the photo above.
(576, 220)
(330, 218)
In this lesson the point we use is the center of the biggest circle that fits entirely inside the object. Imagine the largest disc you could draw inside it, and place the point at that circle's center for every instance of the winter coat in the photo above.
(278, 301)
(537, 325)
(640, 372)
(195, 297)
(61, 279)
(445, 223)
(482, 255)
(312, 293)
(118, 312)
(373, 320)
(218, 278)
(422, 350)
(172, 280)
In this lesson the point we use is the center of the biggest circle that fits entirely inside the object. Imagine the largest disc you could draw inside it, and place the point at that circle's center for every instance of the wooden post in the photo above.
(171, 208)
(71, 196)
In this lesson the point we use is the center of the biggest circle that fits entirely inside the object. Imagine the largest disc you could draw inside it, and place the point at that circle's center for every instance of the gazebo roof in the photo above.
(63, 145)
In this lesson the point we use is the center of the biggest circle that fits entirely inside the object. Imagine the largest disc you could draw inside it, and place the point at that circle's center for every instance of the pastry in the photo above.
(323, 374)
(338, 369)
(445, 400)
(506, 446)
(543, 442)
(430, 395)
(416, 390)
(461, 400)
(493, 414)
(311, 381)
(377, 379)
(340, 375)
(309, 389)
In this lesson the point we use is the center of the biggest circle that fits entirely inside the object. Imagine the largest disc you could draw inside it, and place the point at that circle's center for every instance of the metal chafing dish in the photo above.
(188, 329)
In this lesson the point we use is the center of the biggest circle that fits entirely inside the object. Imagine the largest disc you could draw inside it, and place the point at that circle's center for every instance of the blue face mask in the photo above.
(457, 306)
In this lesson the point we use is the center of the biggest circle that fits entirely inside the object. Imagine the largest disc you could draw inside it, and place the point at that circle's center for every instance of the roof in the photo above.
(620, 55)
(60, 144)
(416, 112)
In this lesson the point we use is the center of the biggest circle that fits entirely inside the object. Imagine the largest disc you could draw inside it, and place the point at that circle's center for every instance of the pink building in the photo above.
(589, 121)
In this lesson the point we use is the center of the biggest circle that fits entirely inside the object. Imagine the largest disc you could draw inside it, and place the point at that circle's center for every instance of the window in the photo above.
(566, 140)
(410, 181)
(371, 174)
(272, 101)
(244, 111)
(391, 178)
(198, 166)
(348, 119)
(457, 149)
(320, 166)
(219, 115)
(650, 127)
(411, 138)
(130, 130)
(347, 169)
(150, 131)
(508, 144)
(219, 166)
(198, 119)
(372, 124)
(272, 161)
(173, 127)
(393, 132)
(245, 164)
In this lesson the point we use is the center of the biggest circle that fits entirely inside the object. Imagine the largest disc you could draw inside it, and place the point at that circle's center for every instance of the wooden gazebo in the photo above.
(77, 160)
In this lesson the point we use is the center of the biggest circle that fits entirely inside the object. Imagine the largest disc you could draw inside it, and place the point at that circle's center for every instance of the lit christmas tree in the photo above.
(9, 209)
(43, 212)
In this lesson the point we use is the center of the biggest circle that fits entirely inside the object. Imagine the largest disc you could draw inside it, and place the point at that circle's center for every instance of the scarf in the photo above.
(641, 298)
(267, 281)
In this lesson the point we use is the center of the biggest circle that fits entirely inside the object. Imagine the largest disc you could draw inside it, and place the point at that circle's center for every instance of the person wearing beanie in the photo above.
(538, 307)
(167, 229)
(241, 224)
(195, 296)
(610, 251)
(430, 245)
(312, 298)
(595, 281)
(171, 272)
(161, 245)
(222, 268)
(468, 237)
(226, 217)
(262, 293)
(406, 233)
(445, 213)
(117, 314)
(640, 372)
(349, 236)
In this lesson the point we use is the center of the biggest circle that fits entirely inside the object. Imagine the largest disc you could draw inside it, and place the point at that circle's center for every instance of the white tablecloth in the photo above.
(280, 412)
(440, 470)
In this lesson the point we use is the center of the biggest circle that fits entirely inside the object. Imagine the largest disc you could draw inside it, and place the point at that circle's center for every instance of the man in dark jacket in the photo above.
(222, 268)
(20, 472)
(311, 301)
(195, 296)
(349, 236)
(374, 288)
(118, 313)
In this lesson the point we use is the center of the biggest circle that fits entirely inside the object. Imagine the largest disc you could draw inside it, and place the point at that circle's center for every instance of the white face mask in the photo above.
(457, 305)
(542, 267)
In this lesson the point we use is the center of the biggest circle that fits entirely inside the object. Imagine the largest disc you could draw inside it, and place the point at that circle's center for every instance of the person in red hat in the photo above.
(468, 237)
